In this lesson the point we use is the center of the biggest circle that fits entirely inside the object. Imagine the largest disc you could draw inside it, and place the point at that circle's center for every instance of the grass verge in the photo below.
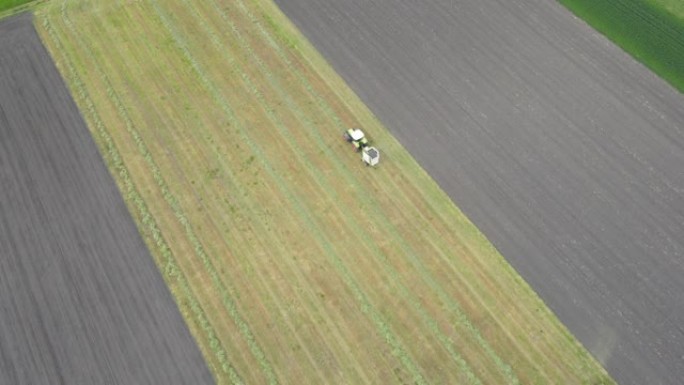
(10, 7)
(649, 30)
(292, 262)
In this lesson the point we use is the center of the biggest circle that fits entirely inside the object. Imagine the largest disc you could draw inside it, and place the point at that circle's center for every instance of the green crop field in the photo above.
(675, 7)
(7, 4)
(291, 262)
(10, 6)
(650, 30)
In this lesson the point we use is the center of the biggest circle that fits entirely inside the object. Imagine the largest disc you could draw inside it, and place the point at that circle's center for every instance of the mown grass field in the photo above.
(291, 262)
(652, 31)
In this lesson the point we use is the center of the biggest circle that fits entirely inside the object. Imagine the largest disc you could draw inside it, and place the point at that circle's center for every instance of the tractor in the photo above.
(370, 155)
(356, 137)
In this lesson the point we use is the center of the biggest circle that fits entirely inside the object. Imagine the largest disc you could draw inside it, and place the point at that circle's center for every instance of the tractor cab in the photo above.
(356, 137)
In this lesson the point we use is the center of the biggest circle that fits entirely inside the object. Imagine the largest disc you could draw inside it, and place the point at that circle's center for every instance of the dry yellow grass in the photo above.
(292, 262)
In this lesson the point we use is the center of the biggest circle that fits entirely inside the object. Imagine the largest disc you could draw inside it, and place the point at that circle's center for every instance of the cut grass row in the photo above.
(305, 266)
(652, 31)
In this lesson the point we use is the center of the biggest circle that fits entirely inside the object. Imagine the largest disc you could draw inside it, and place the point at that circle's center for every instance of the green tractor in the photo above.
(370, 155)
(356, 137)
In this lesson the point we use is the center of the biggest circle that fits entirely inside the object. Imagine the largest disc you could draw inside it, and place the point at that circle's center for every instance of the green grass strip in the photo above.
(644, 29)
(9, 4)
(11, 7)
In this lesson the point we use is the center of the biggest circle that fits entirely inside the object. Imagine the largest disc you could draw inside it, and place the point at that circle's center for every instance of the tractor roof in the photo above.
(356, 134)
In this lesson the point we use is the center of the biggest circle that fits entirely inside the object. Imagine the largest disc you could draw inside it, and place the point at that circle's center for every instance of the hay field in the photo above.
(291, 261)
